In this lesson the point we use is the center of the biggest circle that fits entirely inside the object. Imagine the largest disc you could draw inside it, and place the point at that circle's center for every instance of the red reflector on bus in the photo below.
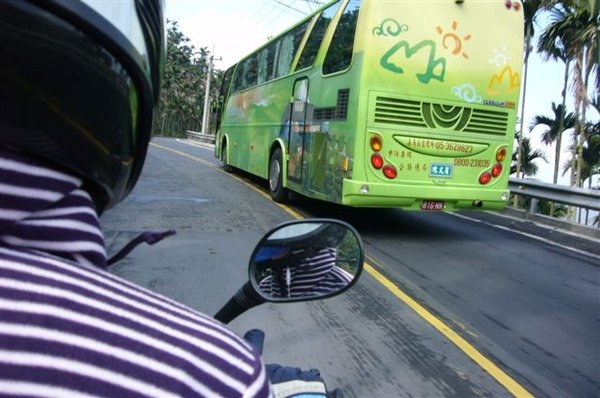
(377, 161)
(485, 178)
(389, 171)
(497, 170)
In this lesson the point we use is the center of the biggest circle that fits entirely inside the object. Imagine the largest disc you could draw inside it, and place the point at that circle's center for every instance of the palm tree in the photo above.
(527, 167)
(552, 48)
(590, 156)
(530, 12)
(590, 159)
(574, 25)
(554, 127)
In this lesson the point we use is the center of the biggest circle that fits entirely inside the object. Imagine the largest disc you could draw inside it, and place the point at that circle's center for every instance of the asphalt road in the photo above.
(529, 307)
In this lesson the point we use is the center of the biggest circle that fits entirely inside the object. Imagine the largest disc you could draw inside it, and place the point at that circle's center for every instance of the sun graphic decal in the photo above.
(500, 58)
(455, 39)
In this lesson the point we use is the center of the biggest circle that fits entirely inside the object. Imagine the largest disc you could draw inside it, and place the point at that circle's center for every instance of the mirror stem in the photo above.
(243, 300)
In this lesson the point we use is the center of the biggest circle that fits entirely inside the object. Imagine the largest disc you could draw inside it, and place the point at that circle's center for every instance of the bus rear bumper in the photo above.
(411, 197)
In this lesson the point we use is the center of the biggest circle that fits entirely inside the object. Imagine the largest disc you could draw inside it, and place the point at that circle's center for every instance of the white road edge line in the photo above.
(191, 143)
(584, 253)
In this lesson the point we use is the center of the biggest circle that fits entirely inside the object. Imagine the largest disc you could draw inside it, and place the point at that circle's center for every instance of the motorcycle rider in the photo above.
(303, 265)
(311, 276)
(78, 86)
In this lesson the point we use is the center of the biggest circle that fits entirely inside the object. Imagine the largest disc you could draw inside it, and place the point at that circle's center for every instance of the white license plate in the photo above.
(432, 205)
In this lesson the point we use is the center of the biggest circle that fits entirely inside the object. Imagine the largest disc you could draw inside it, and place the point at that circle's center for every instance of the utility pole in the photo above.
(206, 113)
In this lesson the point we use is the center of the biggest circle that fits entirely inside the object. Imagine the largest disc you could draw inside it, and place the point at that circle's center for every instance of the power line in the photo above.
(290, 7)
(313, 2)
(261, 8)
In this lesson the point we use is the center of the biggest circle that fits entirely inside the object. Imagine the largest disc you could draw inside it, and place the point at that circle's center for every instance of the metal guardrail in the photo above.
(578, 197)
(586, 198)
(206, 138)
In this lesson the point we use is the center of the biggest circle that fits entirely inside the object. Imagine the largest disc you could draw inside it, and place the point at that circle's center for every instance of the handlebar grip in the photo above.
(243, 300)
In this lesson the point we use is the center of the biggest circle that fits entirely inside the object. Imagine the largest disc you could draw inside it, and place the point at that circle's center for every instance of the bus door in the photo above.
(297, 131)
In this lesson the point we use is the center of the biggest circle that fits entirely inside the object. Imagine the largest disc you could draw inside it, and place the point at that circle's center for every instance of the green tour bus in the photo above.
(372, 103)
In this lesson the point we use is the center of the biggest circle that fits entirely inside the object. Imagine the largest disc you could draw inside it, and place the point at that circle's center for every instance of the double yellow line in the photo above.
(498, 374)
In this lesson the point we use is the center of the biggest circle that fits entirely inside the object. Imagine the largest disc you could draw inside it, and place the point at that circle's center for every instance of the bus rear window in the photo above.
(339, 54)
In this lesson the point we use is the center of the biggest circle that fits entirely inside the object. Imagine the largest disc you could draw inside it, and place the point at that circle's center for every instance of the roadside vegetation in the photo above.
(572, 36)
(184, 86)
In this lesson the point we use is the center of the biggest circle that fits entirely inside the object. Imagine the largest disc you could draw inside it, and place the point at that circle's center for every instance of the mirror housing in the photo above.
(306, 260)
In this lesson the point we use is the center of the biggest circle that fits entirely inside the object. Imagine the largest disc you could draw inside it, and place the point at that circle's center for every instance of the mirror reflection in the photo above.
(306, 260)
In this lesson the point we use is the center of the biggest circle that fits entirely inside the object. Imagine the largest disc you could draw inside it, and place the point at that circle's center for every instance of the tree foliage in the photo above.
(574, 34)
(527, 167)
(184, 85)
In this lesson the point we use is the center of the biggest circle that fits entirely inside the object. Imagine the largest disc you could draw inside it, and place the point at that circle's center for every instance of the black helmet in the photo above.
(78, 86)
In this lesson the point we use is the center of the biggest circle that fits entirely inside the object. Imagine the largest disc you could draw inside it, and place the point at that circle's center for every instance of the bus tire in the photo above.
(278, 193)
(226, 165)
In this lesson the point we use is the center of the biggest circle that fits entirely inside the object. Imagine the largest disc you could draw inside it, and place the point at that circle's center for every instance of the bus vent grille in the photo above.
(324, 113)
(490, 122)
(338, 112)
(341, 109)
(439, 116)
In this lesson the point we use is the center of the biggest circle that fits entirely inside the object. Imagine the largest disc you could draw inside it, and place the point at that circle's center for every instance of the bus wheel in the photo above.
(278, 192)
(226, 165)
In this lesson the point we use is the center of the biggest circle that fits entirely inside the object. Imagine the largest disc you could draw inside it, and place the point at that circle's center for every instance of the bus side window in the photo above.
(238, 81)
(311, 48)
(223, 94)
(251, 71)
(288, 47)
(265, 63)
(339, 54)
(246, 74)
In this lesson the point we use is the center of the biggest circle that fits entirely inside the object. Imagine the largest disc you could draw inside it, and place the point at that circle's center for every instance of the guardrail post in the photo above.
(533, 205)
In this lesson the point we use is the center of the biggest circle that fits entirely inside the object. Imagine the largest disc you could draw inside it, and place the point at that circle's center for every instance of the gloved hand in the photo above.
(287, 382)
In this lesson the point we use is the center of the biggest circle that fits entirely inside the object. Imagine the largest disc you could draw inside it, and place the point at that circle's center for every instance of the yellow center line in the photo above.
(498, 374)
(504, 379)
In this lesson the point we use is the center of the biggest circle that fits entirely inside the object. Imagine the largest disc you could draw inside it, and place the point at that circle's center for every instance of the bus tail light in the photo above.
(501, 154)
(390, 171)
(376, 143)
(485, 178)
(496, 170)
(377, 161)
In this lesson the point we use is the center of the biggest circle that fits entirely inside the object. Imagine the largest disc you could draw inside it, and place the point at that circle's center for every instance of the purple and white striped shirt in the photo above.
(314, 276)
(70, 328)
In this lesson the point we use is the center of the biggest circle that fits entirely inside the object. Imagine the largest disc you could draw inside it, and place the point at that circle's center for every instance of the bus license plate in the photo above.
(432, 205)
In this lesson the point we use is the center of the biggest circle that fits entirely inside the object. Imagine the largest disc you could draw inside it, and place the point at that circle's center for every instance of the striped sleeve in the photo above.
(85, 332)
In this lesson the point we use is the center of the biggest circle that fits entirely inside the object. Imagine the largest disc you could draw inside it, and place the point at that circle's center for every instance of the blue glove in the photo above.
(287, 382)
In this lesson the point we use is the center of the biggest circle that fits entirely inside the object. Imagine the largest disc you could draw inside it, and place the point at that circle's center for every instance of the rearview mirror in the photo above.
(306, 260)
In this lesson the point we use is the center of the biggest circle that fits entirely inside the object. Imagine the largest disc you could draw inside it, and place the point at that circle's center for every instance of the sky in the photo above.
(231, 29)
